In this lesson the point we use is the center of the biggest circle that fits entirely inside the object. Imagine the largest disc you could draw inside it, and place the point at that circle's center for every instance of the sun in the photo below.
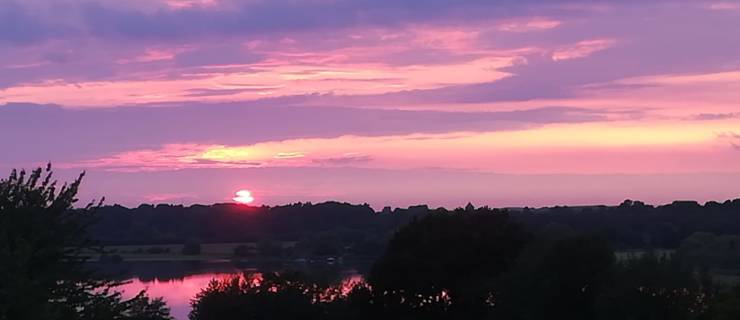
(243, 197)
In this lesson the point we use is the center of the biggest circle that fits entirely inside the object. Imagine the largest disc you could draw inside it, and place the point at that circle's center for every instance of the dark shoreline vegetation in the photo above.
(333, 228)
(467, 263)
(632, 224)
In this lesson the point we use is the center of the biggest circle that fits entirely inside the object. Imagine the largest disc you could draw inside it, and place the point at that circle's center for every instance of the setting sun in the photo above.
(243, 197)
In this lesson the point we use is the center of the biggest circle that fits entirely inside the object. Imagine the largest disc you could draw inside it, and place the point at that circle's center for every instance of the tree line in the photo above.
(361, 230)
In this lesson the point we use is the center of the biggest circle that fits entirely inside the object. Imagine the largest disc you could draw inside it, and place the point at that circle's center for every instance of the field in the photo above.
(630, 254)
(174, 252)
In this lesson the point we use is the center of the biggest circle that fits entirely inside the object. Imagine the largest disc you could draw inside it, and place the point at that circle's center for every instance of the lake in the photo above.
(177, 282)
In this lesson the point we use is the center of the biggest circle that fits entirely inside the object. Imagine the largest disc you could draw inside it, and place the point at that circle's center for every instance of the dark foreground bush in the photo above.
(254, 296)
(42, 240)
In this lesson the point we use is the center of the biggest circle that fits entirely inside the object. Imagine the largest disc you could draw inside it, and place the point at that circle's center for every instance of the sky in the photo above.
(386, 102)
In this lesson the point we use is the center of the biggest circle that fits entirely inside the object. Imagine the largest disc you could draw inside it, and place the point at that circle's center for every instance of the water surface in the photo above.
(179, 282)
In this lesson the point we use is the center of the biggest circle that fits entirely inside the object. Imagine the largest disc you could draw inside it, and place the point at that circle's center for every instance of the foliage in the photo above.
(448, 254)
(653, 287)
(726, 306)
(707, 250)
(41, 241)
(257, 297)
(362, 231)
(556, 278)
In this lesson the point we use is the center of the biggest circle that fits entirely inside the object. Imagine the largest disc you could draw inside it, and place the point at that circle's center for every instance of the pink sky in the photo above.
(504, 103)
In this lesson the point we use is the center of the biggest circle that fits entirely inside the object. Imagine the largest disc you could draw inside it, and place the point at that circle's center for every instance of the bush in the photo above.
(270, 296)
(43, 241)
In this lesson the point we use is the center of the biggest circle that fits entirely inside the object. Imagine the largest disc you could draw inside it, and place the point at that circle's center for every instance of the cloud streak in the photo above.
(136, 128)
(663, 146)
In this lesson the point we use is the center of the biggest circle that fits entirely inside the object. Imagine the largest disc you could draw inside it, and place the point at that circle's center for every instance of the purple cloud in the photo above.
(714, 116)
(344, 160)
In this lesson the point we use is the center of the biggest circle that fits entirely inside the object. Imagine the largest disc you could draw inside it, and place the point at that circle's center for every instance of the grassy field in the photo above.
(633, 254)
(225, 251)
(722, 277)
(215, 251)
(173, 252)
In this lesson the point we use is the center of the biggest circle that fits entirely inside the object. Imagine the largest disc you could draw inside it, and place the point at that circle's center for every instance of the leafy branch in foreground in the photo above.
(42, 241)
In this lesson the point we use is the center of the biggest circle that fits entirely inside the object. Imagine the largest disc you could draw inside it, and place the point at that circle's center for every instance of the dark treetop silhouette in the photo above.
(41, 271)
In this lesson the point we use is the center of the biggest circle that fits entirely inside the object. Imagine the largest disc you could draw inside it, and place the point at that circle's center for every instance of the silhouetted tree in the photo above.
(555, 279)
(650, 286)
(448, 256)
(42, 239)
(726, 306)
(271, 296)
